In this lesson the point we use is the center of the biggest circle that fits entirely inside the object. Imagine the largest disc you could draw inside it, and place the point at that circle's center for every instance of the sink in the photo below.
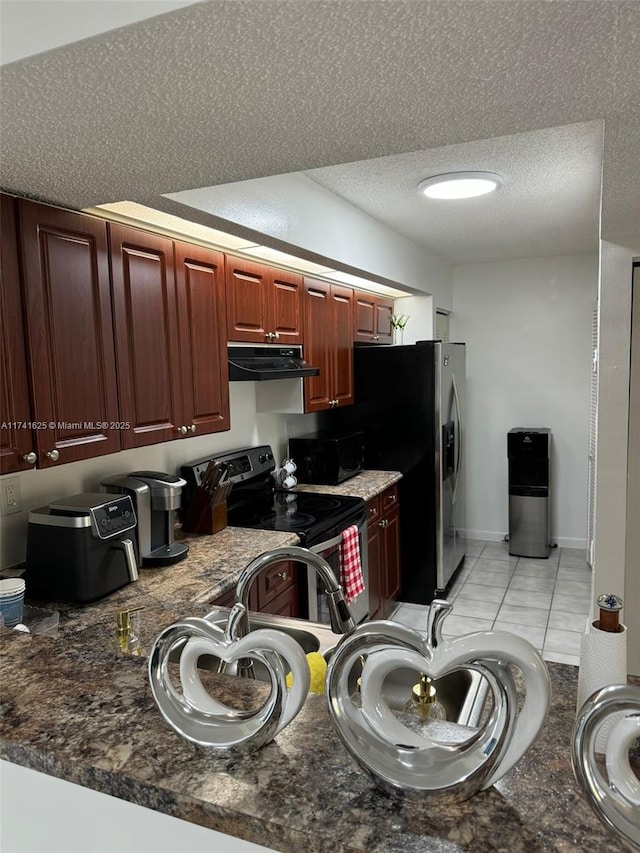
(462, 692)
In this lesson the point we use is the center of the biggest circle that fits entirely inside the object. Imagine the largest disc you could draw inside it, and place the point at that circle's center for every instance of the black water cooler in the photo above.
(529, 502)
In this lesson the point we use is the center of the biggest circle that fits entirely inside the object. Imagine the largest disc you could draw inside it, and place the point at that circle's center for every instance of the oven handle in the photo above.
(324, 546)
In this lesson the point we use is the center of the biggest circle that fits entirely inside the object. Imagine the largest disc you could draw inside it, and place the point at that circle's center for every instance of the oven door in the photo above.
(330, 550)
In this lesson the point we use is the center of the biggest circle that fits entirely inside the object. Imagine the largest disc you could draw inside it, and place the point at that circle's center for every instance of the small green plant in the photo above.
(399, 321)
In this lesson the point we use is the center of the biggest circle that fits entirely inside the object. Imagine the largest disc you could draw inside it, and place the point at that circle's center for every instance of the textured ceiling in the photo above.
(235, 89)
(548, 204)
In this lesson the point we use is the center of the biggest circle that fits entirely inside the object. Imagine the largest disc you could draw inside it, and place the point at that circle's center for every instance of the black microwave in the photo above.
(327, 458)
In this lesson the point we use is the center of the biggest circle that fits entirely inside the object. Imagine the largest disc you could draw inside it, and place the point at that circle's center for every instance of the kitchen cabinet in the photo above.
(202, 336)
(328, 330)
(372, 318)
(374, 556)
(278, 589)
(17, 443)
(383, 538)
(264, 304)
(144, 304)
(275, 591)
(69, 333)
(168, 306)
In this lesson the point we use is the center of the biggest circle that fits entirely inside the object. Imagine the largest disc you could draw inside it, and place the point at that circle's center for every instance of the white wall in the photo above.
(527, 325)
(300, 212)
(612, 564)
(248, 428)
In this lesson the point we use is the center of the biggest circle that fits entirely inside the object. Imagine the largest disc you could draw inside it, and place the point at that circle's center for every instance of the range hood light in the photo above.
(460, 185)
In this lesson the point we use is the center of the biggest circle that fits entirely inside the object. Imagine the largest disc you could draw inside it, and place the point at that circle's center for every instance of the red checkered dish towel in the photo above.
(351, 578)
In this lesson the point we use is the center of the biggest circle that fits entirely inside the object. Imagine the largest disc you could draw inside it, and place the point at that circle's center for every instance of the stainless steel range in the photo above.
(317, 519)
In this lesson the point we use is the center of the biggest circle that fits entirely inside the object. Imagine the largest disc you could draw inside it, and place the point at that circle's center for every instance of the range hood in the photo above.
(259, 364)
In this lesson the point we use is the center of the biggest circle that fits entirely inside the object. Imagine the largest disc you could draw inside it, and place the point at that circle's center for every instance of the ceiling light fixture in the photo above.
(460, 185)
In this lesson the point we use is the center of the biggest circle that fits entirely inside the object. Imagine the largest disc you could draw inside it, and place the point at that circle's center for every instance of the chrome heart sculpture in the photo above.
(616, 802)
(402, 759)
(200, 718)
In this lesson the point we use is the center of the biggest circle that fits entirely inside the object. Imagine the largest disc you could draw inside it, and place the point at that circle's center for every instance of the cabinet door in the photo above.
(342, 318)
(144, 302)
(374, 560)
(275, 580)
(392, 555)
(372, 318)
(16, 442)
(364, 316)
(202, 338)
(285, 604)
(319, 342)
(70, 333)
(285, 291)
(247, 301)
(383, 313)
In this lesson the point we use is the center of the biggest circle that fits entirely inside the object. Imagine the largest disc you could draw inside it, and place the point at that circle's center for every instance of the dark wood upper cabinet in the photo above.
(286, 294)
(342, 303)
(67, 312)
(372, 318)
(202, 332)
(264, 304)
(16, 442)
(328, 325)
(146, 332)
(169, 309)
(319, 343)
(246, 301)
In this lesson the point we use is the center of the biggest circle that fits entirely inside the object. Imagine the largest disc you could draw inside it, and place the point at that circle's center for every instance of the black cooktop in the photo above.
(310, 515)
(254, 503)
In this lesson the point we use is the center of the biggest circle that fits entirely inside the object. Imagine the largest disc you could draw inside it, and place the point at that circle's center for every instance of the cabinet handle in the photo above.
(53, 455)
(31, 458)
(276, 336)
(182, 430)
(371, 510)
(384, 522)
(391, 498)
(282, 576)
(376, 337)
(192, 427)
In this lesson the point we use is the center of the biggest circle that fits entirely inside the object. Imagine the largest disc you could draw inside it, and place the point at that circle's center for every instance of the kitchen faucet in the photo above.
(339, 613)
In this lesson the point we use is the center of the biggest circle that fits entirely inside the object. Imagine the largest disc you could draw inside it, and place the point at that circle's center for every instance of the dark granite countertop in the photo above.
(75, 708)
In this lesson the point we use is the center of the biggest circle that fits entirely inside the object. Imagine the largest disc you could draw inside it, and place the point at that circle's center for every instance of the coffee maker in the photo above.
(81, 548)
(155, 496)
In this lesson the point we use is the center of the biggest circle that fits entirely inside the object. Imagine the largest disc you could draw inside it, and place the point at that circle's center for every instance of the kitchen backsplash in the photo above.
(248, 427)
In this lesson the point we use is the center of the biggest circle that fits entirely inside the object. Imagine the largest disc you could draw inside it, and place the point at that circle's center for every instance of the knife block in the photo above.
(201, 517)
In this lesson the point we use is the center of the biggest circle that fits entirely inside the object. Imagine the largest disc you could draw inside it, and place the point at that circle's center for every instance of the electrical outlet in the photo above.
(10, 498)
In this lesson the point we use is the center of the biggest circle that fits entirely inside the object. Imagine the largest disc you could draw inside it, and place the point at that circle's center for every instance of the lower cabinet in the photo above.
(275, 591)
(383, 529)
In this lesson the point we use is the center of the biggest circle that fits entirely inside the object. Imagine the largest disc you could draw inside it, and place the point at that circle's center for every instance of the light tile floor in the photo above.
(544, 601)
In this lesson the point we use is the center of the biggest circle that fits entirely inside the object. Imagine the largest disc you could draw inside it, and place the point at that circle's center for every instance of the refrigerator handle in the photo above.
(459, 442)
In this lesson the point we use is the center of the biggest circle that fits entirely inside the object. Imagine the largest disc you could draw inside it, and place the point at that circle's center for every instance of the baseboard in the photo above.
(487, 535)
(497, 536)
(566, 542)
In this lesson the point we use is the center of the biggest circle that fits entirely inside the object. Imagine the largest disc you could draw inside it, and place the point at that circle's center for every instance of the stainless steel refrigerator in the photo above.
(410, 403)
